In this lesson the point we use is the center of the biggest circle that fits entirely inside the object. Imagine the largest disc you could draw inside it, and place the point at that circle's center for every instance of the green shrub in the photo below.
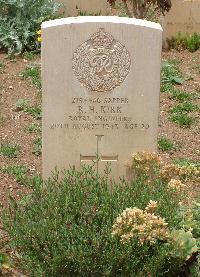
(19, 21)
(63, 228)
(185, 41)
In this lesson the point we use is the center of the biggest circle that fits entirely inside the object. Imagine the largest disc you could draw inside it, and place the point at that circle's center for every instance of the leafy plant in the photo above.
(19, 21)
(29, 55)
(191, 220)
(185, 41)
(18, 171)
(187, 162)
(170, 75)
(9, 150)
(21, 104)
(142, 9)
(33, 72)
(181, 96)
(35, 111)
(64, 227)
(182, 119)
(184, 244)
(179, 113)
(33, 128)
(184, 107)
(193, 42)
(166, 87)
(165, 144)
(37, 149)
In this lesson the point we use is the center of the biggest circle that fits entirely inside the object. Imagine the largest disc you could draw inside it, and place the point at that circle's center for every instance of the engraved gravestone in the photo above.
(101, 80)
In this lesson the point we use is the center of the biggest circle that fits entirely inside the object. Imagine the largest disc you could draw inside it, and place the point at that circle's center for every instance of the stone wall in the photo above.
(91, 6)
(183, 17)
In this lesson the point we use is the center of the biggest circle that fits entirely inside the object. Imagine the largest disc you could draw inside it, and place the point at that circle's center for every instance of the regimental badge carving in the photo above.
(101, 63)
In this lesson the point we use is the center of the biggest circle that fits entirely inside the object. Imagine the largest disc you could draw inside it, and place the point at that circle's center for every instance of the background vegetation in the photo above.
(19, 21)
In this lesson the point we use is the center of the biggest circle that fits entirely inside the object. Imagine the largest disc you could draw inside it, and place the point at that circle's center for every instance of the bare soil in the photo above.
(187, 138)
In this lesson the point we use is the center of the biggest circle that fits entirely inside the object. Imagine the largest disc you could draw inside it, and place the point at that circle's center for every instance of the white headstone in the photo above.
(101, 83)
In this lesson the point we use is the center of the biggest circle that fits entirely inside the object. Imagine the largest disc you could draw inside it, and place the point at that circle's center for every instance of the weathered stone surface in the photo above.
(74, 7)
(101, 81)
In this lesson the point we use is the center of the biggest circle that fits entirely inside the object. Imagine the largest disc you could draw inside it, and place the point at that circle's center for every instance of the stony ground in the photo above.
(20, 119)
(188, 139)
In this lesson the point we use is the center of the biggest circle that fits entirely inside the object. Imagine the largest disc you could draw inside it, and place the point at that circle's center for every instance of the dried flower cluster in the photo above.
(176, 184)
(145, 163)
(146, 160)
(149, 164)
(141, 224)
(172, 171)
(144, 157)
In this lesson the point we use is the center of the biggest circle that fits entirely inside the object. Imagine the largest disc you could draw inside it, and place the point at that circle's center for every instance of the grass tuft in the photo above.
(165, 144)
(181, 96)
(37, 148)
(35, 111)
(184, 107)
(33, 72)
(182, 119)
(18, 171)
(9, 150)
(33, 128)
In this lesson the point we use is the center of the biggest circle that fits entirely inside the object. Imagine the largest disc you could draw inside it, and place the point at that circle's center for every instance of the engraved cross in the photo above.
(98, 157)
